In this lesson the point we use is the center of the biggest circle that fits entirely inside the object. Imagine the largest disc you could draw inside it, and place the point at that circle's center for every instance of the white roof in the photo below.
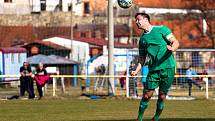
(65, 42)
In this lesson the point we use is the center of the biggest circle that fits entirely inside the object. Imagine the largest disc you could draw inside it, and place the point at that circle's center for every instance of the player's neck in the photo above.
(148, 28)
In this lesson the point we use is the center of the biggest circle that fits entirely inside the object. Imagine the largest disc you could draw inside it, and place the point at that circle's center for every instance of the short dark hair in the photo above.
(190, 66)
(145, 15)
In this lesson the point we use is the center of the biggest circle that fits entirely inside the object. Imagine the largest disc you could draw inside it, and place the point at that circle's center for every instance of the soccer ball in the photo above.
(125, 3)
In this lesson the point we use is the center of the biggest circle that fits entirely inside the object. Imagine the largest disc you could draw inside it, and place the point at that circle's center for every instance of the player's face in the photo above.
(141, 22)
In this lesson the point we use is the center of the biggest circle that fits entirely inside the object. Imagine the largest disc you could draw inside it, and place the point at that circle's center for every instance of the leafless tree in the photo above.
(207, 12)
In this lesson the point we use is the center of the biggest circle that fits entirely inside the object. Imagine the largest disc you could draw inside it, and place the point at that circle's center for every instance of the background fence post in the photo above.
(54, 86)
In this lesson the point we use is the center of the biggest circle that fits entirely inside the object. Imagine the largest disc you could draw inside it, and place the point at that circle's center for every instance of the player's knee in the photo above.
(162, 96)
(146, 97)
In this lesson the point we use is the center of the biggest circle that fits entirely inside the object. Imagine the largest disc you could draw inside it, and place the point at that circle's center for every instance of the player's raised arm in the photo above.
(141, 60)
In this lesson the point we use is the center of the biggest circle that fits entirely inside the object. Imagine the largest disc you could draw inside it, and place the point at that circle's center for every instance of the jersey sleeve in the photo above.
(167, 33)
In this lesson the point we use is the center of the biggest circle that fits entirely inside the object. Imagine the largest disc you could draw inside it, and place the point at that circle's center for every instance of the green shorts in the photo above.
(160, 78)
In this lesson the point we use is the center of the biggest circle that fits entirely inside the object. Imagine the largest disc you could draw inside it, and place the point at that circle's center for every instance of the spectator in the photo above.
(99, 83)
(190, 80)
(210, 81)
(122, 80)
(133, 80)
(145, 71)
(41, 78)
(83, 79)
(210, 68)
(26, 81)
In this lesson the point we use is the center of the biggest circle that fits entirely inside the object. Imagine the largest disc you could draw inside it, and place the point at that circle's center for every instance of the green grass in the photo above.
(69, 109)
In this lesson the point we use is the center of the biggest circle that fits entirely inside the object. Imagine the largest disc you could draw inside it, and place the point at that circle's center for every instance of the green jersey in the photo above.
(154, 45)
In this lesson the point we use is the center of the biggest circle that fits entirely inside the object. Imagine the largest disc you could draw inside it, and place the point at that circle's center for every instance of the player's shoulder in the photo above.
(160, 27)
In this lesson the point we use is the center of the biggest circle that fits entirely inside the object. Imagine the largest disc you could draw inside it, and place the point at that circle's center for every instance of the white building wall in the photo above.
(16, 7)
(13, 62)
(120, 60)
(51, 5)
(78, 8)
(28, 6)
(66, 4)
(35, 5)
(80, 50)
(23, 6)
(123, 40)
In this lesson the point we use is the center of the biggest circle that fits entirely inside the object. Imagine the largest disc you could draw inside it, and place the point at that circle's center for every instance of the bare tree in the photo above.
(207, 13)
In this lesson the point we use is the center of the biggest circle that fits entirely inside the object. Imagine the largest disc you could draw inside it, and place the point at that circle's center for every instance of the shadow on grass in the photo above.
(168, 119)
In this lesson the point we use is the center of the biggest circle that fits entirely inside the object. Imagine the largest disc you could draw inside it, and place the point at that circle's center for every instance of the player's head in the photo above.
(142, 20)
(190, 67)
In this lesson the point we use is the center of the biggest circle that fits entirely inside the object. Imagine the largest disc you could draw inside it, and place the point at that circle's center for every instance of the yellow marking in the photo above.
(101, 76)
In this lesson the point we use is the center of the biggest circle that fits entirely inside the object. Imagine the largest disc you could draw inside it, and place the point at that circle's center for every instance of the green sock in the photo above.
(142, 108)
(160, 106)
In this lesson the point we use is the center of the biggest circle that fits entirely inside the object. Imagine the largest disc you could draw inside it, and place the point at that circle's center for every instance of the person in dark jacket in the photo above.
(26, 81)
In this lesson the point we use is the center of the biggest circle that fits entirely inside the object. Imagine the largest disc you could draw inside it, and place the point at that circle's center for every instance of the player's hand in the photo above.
(134, 73)
(170, 48)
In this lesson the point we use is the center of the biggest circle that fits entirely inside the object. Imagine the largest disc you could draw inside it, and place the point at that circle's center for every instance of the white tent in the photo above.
(97, 62)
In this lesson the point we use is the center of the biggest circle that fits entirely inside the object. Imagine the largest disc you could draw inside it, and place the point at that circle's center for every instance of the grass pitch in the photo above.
(69, 109)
